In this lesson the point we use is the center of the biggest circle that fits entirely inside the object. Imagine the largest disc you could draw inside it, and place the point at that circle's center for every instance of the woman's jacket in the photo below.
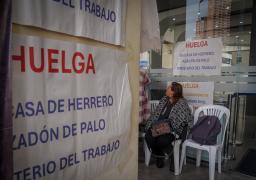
(179, 117)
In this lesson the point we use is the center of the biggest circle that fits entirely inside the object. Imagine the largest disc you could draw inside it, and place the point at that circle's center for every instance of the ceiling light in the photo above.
(241, 22)
(227, 8)
(242, 40)
(174, 19)
(237, 36)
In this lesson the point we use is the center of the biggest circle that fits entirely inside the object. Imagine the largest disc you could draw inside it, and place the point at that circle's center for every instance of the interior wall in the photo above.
(156, 60)
(167, 55)
(127, 170)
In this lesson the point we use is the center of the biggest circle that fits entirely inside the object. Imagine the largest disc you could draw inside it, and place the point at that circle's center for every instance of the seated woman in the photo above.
(174, 109)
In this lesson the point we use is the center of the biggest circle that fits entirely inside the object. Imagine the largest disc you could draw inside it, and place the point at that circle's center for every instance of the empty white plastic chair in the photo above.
(223, 114)
(176, 146)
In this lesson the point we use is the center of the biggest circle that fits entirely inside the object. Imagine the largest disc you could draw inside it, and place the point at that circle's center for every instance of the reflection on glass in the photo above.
(229, 20)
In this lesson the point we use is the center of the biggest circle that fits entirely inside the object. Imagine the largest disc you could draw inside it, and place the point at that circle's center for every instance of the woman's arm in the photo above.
(155, 115)
(180, 116)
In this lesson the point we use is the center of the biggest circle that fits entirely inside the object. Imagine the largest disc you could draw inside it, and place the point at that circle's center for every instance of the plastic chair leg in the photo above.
(212, 156)
(183, 152)
(219, 160)
(176, 156)
(198, 157)
(147, 154)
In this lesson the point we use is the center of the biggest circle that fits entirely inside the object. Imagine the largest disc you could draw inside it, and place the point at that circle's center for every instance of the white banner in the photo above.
(198, 93)
(71, 109)
(198, 57)
(95, 19)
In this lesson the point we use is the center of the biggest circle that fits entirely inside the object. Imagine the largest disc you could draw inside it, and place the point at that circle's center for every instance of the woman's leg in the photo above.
(164, 143)
(159, 145)
(151, 141)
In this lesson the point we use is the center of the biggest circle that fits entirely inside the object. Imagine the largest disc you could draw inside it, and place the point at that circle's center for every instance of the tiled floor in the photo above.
(189, 171)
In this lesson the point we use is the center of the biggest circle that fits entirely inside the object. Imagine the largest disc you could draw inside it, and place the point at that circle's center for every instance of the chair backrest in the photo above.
(153, 105)
(221, 112)
(191, 108)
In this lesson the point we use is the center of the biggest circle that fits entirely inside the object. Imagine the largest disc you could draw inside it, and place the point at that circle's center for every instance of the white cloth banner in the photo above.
(95, 19)
(71, 109)
(198, 57)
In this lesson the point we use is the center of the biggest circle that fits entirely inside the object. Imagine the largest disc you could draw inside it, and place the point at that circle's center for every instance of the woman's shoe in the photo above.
(159, 162)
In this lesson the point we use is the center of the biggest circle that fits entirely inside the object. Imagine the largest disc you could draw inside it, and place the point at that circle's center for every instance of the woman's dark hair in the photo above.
(177, 91)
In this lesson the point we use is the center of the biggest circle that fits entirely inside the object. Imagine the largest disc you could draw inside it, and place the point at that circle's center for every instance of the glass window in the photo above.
(201, 19)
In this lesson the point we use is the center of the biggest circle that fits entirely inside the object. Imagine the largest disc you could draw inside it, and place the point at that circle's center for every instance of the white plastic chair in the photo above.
(223, 114)
(176, 146)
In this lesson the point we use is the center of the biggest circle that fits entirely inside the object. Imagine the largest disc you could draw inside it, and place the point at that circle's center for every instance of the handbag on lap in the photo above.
(160, 128)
